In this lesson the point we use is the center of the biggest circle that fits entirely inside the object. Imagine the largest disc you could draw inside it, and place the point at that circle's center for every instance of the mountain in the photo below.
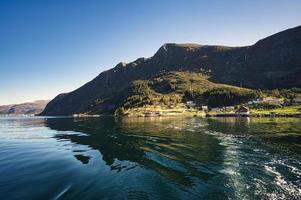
(35, 107)
(273, 62)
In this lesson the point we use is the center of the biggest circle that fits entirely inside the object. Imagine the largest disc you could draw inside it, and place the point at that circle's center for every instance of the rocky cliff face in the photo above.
(274, 62)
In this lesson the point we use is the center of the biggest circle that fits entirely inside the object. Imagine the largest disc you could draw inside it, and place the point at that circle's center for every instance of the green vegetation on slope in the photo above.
(172, 88)
(218, 97)
(179, 72)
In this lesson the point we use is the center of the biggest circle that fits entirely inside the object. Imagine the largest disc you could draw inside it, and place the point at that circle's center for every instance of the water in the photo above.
(175, 158)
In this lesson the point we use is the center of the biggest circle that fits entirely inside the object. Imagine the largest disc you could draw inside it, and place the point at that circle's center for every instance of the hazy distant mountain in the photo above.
(35, 107)
(273, 62)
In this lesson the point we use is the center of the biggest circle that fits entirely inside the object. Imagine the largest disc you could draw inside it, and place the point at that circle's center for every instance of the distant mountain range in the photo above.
(273, 62)
(29, 108)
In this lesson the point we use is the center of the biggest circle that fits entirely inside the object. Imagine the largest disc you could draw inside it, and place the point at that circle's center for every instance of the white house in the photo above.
(190, 104)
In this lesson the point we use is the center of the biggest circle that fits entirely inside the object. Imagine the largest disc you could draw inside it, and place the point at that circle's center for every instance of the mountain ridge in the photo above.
(272, 62)
(28, 108)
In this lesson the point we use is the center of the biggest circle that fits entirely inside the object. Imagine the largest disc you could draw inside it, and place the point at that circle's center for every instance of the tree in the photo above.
(119, 111)
(275, 93)
(140, 87)
(218, 97)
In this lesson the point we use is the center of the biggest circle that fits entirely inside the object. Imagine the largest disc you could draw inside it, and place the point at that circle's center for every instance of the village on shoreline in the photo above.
(273, 107)
(267, 106)
(250, 109)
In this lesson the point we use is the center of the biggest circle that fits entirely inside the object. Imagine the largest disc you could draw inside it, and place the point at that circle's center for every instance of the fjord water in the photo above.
(146, 158)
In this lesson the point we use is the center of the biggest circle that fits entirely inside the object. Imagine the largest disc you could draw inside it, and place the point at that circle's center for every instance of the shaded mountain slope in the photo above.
(274, 62)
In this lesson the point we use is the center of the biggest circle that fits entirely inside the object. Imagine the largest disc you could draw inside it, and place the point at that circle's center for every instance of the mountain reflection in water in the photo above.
(155, 146)
(150, 158)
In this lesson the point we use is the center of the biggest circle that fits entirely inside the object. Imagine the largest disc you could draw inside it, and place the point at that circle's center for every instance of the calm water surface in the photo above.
(176, 158)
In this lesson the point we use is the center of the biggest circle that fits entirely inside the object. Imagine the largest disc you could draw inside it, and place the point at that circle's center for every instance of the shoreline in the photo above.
(254, 115)
(199, 114)
(296, 115)
(184, 112)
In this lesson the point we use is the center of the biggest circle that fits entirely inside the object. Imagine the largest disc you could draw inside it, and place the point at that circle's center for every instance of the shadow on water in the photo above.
(207, 158)
(169, 152)
(171, 148)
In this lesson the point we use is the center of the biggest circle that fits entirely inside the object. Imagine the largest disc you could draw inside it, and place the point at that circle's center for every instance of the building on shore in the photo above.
(204, 108)
(242, 110)
(190, 104)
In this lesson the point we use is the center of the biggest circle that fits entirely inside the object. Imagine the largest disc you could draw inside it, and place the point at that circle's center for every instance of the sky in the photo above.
(49, 47)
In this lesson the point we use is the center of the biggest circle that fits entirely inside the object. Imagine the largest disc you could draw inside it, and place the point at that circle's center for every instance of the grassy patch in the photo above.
(284, 110)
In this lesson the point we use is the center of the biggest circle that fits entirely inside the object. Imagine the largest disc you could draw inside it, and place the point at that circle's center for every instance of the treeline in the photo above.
(145, 92)
(139, 94)
(280, 93)
(222, 97)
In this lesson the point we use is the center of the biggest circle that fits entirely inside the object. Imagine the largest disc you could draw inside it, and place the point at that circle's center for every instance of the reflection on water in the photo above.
(150, 158)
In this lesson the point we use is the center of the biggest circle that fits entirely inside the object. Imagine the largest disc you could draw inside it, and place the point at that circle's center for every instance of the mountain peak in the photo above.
(121, 65)
(174, 48)
(170, 46)
(273, 62)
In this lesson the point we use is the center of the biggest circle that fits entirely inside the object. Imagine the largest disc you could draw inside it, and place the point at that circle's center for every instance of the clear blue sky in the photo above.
(53, 46)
